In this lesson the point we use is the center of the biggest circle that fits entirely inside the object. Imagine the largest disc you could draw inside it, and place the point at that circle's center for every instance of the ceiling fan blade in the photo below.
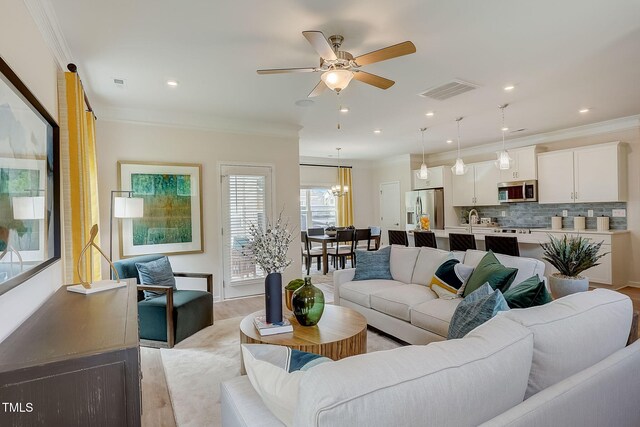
(390, 52)
(287, 70)
(373, 80)
(319, 89)
(320, 44)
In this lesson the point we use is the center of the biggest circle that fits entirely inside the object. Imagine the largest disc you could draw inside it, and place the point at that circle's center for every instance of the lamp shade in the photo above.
(423, 173)
(28, 207)
(504, 160)
(459, 168)
(336, 79)
(128, 207)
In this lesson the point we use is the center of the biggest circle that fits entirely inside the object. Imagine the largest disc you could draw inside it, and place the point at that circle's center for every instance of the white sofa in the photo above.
(405, 307)
(561, 364)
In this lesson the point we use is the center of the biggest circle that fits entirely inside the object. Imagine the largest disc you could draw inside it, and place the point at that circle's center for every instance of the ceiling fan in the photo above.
(338, 67)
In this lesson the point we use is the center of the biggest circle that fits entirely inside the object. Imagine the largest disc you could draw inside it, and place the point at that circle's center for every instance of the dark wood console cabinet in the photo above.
(74, 362)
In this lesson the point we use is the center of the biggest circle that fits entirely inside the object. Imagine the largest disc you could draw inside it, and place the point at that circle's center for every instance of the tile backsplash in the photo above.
(531, 214)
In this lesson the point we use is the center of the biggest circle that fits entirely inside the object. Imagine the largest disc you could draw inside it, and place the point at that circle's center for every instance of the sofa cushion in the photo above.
(435, 315)
(397, 301)
(275, 373)
(403, 260)
(429, 259)
(573, 333)
(527, 267)
(490, 270)
(529, 293)
(481, 305)
(450, 383)
(359, 292)
(449, 279)
(373, 265)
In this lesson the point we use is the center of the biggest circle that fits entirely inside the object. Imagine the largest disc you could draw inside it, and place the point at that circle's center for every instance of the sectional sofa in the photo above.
(561, 364)
(406, 307)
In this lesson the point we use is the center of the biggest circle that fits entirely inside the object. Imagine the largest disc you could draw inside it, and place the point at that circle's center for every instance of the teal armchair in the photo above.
(167, 319)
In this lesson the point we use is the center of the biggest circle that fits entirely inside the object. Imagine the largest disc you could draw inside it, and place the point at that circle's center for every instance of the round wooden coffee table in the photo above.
(341, 332)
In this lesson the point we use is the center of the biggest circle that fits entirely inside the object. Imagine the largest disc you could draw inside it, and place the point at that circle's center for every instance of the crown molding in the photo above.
(47, 22)
(614, 125)
(201, 122)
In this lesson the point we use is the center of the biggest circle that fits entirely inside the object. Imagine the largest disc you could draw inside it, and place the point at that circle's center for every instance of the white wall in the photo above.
(24, 49)
(143, 142)
(361, 173)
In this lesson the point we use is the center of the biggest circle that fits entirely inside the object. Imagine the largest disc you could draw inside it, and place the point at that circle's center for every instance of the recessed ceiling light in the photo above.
(430, 114)
(377, 131)
(584, 110)
(344, 109)
(172, 83)
(504, 129)
(449, 141)
(304, 103)
(509, 88)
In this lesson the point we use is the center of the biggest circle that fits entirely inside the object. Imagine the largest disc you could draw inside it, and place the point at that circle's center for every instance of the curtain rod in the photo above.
(325, 166)
(74, 69)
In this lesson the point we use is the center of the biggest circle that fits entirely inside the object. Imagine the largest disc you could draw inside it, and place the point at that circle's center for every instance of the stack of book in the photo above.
(265, 328)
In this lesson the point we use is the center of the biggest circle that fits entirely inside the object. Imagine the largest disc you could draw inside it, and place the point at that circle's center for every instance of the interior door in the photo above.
(390, 208)
(246, 199)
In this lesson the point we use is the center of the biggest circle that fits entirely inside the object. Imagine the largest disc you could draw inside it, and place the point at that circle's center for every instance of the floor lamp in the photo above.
(122, 208)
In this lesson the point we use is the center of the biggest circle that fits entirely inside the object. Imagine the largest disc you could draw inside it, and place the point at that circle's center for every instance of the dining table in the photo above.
(325, 239)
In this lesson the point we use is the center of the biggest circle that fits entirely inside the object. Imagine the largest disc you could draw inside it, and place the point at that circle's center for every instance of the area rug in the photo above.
(196, 366)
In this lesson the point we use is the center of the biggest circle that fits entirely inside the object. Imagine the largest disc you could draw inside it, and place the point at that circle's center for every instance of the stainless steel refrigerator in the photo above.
(422, 202)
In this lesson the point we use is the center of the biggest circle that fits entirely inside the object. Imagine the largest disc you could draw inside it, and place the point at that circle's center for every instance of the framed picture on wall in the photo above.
(172, 219)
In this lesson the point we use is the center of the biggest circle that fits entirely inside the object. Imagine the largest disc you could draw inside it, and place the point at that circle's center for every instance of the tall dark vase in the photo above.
(273, 297)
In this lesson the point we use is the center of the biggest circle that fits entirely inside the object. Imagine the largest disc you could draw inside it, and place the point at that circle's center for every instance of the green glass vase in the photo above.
(308, 303)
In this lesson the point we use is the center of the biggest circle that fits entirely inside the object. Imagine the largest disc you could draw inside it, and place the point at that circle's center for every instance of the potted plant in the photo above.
(269, 245)
(570, 256)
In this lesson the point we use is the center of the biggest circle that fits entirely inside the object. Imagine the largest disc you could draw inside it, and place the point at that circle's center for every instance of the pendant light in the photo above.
(423, 173)
(459, 168)
(339, 190)
(503, 161)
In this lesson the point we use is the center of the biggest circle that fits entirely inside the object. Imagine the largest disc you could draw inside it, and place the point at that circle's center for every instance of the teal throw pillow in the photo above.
(157, 273)
(478, 307)
(529, 293)
(490, 270)
(450, 278)
(373, 264)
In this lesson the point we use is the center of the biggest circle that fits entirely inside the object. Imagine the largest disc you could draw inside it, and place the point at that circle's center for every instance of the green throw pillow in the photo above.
(490, 270)
(529, 293)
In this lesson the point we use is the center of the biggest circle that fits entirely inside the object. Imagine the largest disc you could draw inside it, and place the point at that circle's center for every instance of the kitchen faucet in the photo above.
(470, 223)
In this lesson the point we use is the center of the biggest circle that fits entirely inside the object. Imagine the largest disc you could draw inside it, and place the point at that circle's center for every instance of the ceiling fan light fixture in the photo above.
(337, 80)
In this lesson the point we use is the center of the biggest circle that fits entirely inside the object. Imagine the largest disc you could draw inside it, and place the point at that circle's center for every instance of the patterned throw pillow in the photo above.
(478, 307)
(529, 293)
(449, 279)
(490, 270)
(275, 373)
(157, 273)
(373, 264)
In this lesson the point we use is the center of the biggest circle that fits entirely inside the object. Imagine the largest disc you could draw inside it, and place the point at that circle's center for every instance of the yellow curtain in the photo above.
(345, 202)
(79, 177)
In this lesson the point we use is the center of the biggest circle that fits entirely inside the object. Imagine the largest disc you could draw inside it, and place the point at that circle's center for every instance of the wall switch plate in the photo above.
(590, 213)
(618, 213)
(503, 213)
(565, 213)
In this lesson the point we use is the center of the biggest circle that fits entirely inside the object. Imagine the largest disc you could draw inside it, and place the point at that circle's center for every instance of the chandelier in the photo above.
(339, 190)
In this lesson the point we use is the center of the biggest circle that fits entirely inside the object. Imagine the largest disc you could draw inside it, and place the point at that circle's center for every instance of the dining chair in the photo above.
(363, 239)
(344, 248)
(308, 252)
(398, 237)
(425, 238)
(376, 235)
(319, 231)
(507, 245)
(461, 242)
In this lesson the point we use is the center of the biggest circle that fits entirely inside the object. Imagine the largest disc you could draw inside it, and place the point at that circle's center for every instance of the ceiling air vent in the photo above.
(518, 130)
(449, 90)
(119, 82)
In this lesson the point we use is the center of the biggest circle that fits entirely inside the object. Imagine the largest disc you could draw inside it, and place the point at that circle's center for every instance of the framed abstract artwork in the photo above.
(29, 183)
(172, 219)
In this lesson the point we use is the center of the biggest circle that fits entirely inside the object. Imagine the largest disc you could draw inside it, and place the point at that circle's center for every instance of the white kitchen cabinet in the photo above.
(478, 187)
(589, 174)
(435, 180)
(524, 166)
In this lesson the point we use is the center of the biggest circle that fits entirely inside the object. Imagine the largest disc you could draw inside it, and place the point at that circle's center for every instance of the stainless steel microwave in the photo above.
(518, 191)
